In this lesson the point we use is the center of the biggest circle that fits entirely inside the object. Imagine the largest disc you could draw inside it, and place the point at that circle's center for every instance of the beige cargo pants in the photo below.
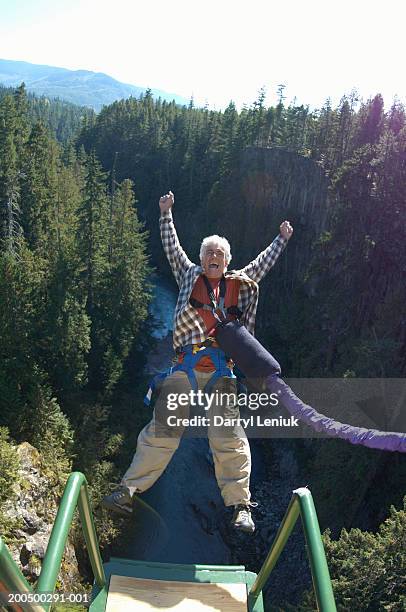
(229, 445)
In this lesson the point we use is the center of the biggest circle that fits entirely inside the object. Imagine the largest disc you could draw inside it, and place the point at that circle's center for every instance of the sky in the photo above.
(219, 50)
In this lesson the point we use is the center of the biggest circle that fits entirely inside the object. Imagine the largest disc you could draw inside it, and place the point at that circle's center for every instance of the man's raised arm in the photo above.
(257, 268)
(177, 257)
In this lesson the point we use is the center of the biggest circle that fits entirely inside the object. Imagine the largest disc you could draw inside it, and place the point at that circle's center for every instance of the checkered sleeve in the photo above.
(177, 257)
(261, 265)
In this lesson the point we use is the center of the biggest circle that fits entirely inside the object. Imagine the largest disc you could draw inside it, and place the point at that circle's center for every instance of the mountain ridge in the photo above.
(82, 87)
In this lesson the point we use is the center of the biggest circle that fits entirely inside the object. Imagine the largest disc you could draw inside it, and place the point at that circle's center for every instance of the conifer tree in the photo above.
(10, 230)
(93, 239)
(39, 191)
(123, 310)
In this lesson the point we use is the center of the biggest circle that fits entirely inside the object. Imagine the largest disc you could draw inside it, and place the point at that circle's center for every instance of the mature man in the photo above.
(207, 294)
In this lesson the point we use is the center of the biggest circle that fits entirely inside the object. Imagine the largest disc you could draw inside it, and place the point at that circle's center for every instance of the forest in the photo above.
(79, 241)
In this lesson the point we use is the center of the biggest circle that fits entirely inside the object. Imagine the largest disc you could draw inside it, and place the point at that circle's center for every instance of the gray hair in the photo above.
(218, 240)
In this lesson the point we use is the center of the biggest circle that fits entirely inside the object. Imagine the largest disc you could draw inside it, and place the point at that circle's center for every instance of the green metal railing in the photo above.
(11, 578)
(76, 494)
(301, 503)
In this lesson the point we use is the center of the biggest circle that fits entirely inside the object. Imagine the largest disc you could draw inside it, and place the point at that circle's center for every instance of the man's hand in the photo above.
(286, 230)
(166, 202)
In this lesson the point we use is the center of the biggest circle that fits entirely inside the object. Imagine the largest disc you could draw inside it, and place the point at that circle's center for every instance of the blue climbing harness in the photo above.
(190, 359)
(193, 353)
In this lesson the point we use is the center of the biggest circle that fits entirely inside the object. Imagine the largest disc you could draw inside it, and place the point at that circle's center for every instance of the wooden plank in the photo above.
(144, 595)
(179, 573)
(189, 566)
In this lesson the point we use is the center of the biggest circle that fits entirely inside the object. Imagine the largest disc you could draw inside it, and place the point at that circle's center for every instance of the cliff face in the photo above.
(276, 184)
(248, 206)
(34, 511)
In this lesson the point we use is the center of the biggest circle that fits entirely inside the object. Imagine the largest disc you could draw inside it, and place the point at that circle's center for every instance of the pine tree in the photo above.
(92, 234)
(10, 230)
(370, 120)
(39, 191)
(93, 240)
(124, 310)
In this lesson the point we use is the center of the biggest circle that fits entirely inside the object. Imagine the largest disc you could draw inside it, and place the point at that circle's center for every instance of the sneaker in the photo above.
(242, 519)
(119, 501)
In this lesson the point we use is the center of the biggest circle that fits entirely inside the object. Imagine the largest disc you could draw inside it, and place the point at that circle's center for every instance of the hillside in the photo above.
(82, 87)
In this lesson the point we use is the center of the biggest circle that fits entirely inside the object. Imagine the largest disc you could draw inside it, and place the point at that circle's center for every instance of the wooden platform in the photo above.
(142, 595)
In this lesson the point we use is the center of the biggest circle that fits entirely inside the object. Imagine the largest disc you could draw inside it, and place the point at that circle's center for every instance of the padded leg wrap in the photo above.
(248, 354)
(263, 371)
(372, 438)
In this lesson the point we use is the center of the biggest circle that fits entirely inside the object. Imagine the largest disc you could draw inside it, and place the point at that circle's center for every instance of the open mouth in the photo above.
(213, 266)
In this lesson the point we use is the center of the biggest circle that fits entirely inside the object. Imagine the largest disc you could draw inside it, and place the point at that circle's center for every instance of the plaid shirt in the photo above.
(188, 326)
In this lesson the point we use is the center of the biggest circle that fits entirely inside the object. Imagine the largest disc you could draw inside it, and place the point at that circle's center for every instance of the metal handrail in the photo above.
(13, 581)
(75, 494)
(300, 503)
